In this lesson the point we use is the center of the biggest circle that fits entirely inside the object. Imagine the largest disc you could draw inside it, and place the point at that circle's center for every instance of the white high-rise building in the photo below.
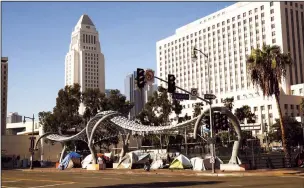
(227, 36)
(84, 63)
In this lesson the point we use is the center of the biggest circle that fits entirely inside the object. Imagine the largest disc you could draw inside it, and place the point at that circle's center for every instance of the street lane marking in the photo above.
(52, 185)
(9, 187)
(10, 181)
(21, 179)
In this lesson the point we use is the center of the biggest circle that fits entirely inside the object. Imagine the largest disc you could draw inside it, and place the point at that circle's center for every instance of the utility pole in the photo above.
(32, 138)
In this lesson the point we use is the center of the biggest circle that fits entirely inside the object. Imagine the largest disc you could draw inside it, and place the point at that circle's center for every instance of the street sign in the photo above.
(209, 96)
(194, 93)
(180, 96)
(149, 76)
(212, 160)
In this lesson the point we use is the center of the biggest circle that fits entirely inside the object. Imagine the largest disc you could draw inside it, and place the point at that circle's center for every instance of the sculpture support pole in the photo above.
(236, 125)
(62, 152)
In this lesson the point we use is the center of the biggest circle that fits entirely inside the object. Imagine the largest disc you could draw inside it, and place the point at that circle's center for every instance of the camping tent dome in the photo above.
(180, 162)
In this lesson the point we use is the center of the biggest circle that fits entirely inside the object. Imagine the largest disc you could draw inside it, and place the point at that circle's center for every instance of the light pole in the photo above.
(266, 135)
(194, 58)
(32, 138)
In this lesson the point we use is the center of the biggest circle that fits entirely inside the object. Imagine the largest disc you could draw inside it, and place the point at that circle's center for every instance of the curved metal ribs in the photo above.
(117, 124)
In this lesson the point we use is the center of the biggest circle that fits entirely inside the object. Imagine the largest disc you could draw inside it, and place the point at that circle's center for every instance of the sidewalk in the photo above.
(188, 172)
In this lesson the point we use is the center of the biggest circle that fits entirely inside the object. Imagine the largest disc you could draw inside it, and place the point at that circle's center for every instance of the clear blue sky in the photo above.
(36, 38)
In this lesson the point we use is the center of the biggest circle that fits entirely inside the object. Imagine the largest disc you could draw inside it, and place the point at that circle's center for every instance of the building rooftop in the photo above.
(86, 20)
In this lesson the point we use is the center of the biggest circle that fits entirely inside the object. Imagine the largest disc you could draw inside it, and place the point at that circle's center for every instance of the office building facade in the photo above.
(138, 97)
(84, 63)
(227, 36)
(13, 117)
(4, 84)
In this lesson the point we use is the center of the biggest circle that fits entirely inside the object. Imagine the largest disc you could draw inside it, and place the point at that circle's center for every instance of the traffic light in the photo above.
(171, 83)
(140, 78)
(216, 119)
(224, 122)
(206, 120)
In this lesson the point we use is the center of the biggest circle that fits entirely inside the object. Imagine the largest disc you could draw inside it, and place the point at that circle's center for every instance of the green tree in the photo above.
(197, 109)
(229, 103)
(293, 128)
(267, 67)
(244, 113)
(65, 114)
(302, 105)
(157, 111)
(117, 102)
(94, 100)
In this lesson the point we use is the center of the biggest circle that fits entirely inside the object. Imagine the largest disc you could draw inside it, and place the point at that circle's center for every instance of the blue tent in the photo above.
(66, 160)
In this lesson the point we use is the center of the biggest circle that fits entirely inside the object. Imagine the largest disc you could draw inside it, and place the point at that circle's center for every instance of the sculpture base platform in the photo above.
(96, 166)
(115, 165)
(233, 167)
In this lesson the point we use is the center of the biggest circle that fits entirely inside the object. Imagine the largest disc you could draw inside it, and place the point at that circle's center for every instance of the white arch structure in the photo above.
(116, 124)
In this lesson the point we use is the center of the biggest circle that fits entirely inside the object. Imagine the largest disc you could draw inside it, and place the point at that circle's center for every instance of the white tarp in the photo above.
(197, 163)
(157, 164)
(180, 162)
(87, 160)
(128, 160)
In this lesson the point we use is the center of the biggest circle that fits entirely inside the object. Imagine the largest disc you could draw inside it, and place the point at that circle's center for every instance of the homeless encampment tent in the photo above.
(88, 159)
(157, 164)
(197, 163)
(134, 160)
(208, 165)
(127, 161)
(180, 162)
(71, 160)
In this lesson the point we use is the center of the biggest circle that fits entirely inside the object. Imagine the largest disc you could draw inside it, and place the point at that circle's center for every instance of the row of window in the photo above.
(296, 4)
(291, 106)
(218, 25)
(91, 39)
(89, 47)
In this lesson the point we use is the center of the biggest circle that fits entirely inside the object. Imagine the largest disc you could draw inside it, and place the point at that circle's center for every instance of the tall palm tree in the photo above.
(267, 68)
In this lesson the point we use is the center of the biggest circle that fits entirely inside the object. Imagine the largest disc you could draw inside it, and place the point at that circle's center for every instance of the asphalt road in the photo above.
(21, 179)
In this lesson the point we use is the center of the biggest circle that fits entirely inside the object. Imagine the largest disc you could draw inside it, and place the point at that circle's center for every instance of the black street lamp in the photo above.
(194, 58)
(32, 138)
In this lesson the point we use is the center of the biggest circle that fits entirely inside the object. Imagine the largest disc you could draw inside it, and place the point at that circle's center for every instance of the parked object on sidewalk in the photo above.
(157, 164)
(299, 159)
(88, 159)
(134, 160)
(71, 160)
(180, 162)
(147, 166)
(208, 165)
(197, 163)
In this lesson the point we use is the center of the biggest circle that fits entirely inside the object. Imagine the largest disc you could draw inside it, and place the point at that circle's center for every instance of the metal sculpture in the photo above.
(119, 125)
(236, 125)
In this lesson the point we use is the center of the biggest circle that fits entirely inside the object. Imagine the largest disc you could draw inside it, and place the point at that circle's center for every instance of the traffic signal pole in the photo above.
(212, 152)
(207, 101)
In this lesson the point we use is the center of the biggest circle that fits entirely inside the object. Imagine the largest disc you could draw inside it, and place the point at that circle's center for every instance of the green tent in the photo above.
(180, 162)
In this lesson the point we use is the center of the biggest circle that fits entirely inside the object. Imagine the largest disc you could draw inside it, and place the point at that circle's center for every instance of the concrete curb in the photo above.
(175, 173)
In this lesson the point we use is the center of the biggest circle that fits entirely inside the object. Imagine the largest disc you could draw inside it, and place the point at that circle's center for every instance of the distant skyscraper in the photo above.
(135, 96)
(4, 80)
(13, 118)
(84, 63)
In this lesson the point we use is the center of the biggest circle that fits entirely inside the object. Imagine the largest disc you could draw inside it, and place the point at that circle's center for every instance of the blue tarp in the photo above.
(66, 160)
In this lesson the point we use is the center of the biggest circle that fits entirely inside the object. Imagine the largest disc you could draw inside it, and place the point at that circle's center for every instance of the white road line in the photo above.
(235, 185)
(8, 186)
(10, 181)
(111, 178)
(52, 185)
